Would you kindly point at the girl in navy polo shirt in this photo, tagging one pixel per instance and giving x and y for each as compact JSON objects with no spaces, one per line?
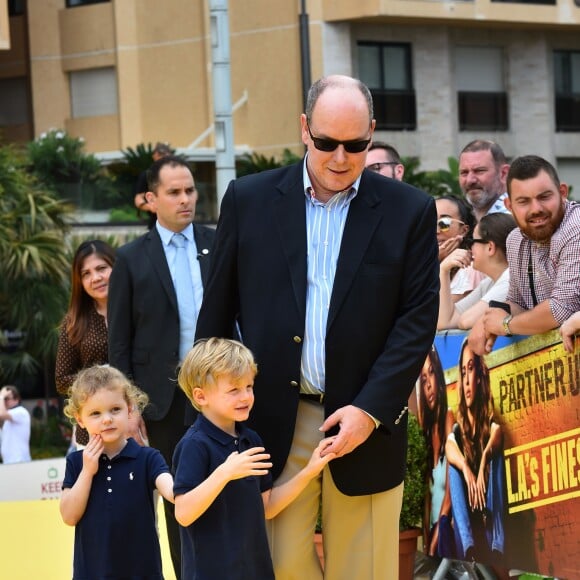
{"x":108,"y":486}
{"x":223,"y":487}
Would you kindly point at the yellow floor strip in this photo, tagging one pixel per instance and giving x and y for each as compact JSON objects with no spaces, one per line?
{"x":36,"y":544}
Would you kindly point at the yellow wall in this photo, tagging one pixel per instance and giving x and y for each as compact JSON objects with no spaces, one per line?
{"x":50,"y":91}
{"x":4,"y":29}
{"x":162,"y":55}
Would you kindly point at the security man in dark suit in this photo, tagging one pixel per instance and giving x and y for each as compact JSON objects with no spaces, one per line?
{"x":155,"y":292}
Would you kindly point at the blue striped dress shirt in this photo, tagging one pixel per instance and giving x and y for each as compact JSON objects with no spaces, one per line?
{"x":324,"y":227}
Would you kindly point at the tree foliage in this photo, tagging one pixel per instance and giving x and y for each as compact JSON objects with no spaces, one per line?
{"x":33,"y":268}
{"x":61,"y":164}
{"x":415,"y":478}
{"x":436,"y":183}
{"x":256,"y":162}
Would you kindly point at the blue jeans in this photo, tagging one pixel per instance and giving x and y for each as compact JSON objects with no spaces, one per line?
{"x":465,"y":520}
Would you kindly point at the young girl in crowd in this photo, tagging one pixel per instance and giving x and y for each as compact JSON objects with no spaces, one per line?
{"x":108,"y":486}
{"x":83,"y":335}
{"x":488,"y":256}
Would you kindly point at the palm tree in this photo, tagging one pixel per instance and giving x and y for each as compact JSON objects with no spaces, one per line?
{"x":33,"y":271}
{"x":254,"y":162}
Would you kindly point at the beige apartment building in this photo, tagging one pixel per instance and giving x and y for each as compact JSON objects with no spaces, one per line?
{"x":123,"y":72}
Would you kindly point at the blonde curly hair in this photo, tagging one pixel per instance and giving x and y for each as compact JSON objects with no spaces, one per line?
{"x":90,"y":380}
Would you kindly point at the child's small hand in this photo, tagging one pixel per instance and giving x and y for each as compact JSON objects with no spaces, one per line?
{"x":250,"y":462}
{"x":92,"y":453}
{"x":317,"y":460}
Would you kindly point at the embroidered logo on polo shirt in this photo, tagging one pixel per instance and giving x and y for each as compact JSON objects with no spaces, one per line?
{"x":131,"y":476}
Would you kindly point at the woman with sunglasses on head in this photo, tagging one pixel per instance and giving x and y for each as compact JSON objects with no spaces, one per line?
{"x":83,"y":338}
{"x":455,"y":223}
{"x":488,"y":254}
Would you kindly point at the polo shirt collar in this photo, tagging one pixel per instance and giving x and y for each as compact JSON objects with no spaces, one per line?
{"x":131,"y":450}
{"x":206,"y":426}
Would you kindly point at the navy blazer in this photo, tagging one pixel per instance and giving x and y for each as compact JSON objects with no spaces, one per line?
{"x":381,"y":321}
{"x":143,"y":317}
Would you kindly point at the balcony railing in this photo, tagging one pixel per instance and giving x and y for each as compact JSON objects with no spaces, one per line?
{"x":394,"y":110}
{"x":482,"y":111}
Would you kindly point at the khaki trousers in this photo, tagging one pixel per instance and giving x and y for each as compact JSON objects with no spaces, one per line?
{"x":360,"y":533}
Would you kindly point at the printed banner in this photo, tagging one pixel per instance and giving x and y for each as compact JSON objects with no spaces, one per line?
{"x":503,"y":437}
{"x":38,"y":479}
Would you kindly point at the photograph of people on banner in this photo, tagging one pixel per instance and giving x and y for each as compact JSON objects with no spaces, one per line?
{"x":503,"y":439}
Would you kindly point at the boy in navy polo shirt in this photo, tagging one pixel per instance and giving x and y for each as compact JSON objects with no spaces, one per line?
{"x":108,"y":486}
{"x":223,"y":488}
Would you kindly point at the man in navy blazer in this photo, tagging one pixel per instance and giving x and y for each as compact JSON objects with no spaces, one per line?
{"x":332,"y":273}
{"x":143,"y":314}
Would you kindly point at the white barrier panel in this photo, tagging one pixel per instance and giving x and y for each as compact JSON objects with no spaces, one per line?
{"x":39,"y":479}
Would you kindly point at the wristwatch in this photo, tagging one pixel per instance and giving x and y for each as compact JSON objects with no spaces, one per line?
{"x":506,"y":325}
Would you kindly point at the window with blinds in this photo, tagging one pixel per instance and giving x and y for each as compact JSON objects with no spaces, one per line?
{"x":93,"y":92}
{"x":479,"y":78}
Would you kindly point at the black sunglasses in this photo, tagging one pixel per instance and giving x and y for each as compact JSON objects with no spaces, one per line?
{"x":325,"y":144}
{"x":470,"y":241}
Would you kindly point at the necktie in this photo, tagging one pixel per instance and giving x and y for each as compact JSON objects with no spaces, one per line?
{"x":184,"y":292}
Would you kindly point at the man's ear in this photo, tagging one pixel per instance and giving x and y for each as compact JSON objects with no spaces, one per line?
{"x":304,"y":130}
{"x":503,"y":171}
{"x":508,"y":203}
{"x":150,"y":197}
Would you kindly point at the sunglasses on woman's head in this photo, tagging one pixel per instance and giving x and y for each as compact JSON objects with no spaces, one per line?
{"x":444,"y":223}
{"x":328,"y":145}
